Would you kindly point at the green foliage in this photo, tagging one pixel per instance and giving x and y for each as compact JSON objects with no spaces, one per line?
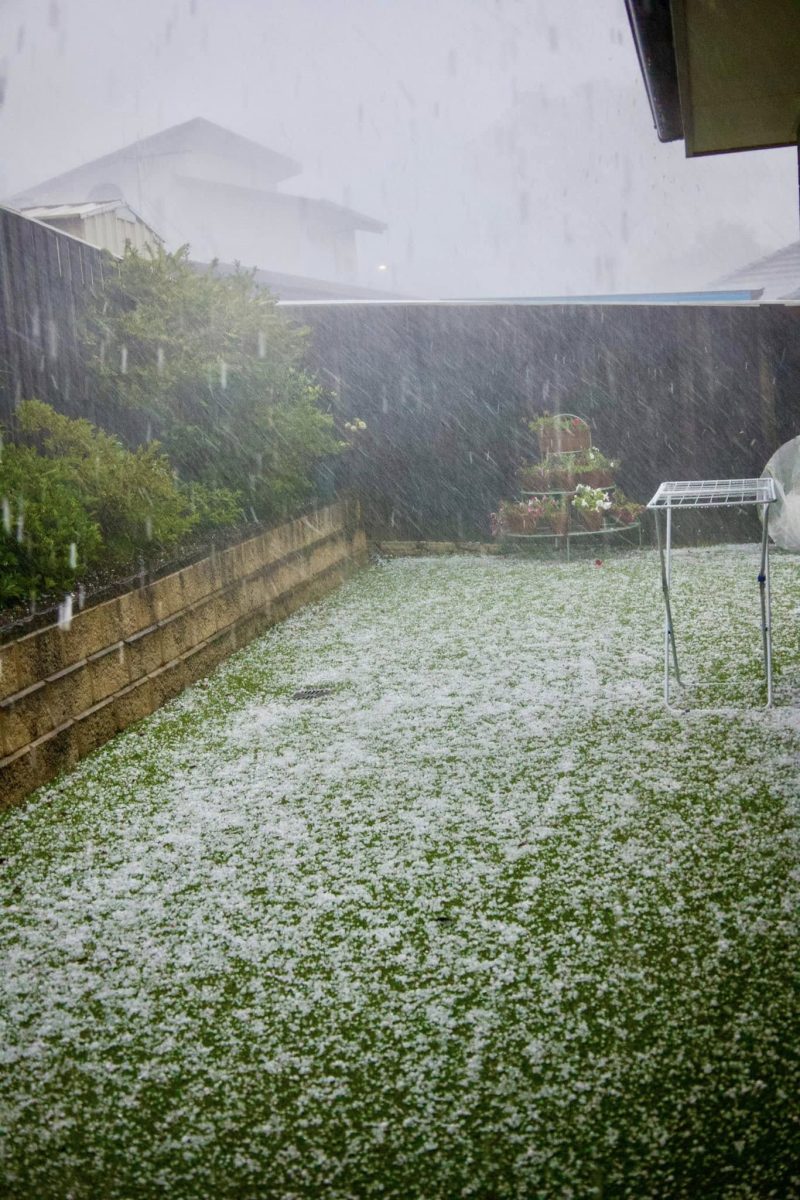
{"x":217,"y":370}
{"x":212,"y":508}
{"x":74,"y":498}
{"x":557,"y":422}
{"x":131,"y":495}
{"x":43,"y":517}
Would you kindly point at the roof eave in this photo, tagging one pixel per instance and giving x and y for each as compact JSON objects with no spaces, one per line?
{"x":651,"y":27}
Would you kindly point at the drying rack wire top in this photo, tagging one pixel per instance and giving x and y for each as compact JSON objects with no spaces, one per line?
{"x":713,"y":493}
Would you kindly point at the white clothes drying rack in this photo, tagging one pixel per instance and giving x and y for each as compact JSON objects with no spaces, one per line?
{"x":713,"y":493}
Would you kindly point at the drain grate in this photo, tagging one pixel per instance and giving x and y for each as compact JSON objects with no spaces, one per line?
{"x":318,"y":692}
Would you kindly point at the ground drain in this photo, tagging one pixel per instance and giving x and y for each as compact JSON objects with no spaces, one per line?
{"x":318,"y":692}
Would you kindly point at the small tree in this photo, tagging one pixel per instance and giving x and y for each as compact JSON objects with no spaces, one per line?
{"x":218,"y":372}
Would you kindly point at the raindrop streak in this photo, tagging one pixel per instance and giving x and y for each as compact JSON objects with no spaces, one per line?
{"x":262,"y":343}
{"x":160,"y":359}
{"x":223,"y":374}
{"x":148,"y":528}
{"x":81,"y":595}
{"x":65,"y":612}
{"x":20,"y":522}
{"x":73,"y":556}
{"x":123,"y":360}
{"x":6,"y":515}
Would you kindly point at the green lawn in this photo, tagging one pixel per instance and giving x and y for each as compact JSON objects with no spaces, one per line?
{"x":480,"y":917}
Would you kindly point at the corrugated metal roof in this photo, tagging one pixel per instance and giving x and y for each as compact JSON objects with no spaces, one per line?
{"x":55,"y":212}
{"x":778,"y":274}
{"x":108,"y":224}
{"x":84,"y":211}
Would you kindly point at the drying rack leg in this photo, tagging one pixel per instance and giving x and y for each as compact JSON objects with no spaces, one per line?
{"x":766,"y":605}
{"x":669,"y":631}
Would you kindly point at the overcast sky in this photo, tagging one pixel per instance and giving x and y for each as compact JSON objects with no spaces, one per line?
{"x":507,"y":143}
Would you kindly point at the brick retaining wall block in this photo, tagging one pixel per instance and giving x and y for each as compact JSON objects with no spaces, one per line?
{"x":63,"y":692}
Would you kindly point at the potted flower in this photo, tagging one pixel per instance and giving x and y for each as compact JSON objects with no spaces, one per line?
{"x":516,"y":516}
{"x":562,"y":472}
{"x":591,"y":504}
{"x":560,"y":433}
{"x":592,"y":468}
{"x":535,"y":478}
{"x":555,"y":513}
{"x":625,"y":510}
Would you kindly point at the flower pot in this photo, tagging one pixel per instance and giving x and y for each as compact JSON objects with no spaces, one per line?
{"x":600,"y":477}
{"x":593,"y":520}
{"x":563,"y":479}
{"x":535,"y":479}
{"x":564,"y":441}
{"x":514,"y":522}
{"x":625,"y":516}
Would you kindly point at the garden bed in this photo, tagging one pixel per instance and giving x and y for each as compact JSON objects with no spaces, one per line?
{"x":425,"y":894}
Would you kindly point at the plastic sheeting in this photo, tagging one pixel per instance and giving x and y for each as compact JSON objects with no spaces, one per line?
{"x":784,"y":517}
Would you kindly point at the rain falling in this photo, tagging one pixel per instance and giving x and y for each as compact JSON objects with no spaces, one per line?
{"x":399,"y":595}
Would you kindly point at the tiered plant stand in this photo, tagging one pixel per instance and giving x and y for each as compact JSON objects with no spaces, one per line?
{"x":564,"y":444}
{"x":611,"y":527}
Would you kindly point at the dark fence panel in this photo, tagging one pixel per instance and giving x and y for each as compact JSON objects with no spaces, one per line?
{"x":44,"y":280}
{"x":447,"y":391}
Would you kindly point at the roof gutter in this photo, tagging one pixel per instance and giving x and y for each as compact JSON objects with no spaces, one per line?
{"x":651,"y":26}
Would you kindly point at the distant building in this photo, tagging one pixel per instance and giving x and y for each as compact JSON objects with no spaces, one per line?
{"x":300,"y":288}
{"x":778,"y":274}
{"x":200,"y":184}
{"x":109,"y":225}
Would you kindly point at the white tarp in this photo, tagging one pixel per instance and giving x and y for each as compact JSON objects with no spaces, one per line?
{"x":784,"y":516}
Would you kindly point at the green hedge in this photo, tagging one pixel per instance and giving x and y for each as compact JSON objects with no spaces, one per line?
{"x":74,"y":498}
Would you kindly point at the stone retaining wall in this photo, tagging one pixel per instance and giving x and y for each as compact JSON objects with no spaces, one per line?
{"x":63,"y":692}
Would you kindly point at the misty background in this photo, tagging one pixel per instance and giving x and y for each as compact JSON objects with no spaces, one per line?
{"x":507,"y":145}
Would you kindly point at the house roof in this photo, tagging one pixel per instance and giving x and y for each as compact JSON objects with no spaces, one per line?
{"x":197,"y":135}
{"x":337,"y":214}
{"x":61,"y":212}
{"x":778,"y":274}
{"x":82,"y":210}
{"x":299,"y":288}
{"x":723,"y":76}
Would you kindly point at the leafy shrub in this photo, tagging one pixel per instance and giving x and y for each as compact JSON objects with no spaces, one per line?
{"x":131,"y":495}
{"x":212,"y":508}
{"x":74,"y":498}
{"x":217,"y":371}
{"x":48,"y":536}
